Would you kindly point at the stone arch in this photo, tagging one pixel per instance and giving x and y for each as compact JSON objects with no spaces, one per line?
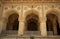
{"x":5,"y":17}
{"x":31,"y":11}
{"x":12,"y":23}
{"x":33,"y":15}
{"x":7,"y":13}
{"x":52,"y":21}
{"x":53,"y":11}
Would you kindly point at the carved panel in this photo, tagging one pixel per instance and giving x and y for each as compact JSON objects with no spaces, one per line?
{"x":32,"y":0}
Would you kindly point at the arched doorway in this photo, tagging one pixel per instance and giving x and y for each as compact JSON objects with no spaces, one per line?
{"x":32,"y":22}
{"x":12,"y":23}
{"x":52,"y":24}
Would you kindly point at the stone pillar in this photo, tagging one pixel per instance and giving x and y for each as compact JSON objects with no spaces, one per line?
{"x":43,"y":27}
{"x":2,"y":24}
{"x":21,"y":28}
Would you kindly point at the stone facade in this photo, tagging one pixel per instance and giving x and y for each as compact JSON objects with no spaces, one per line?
{"x":24,"y":9}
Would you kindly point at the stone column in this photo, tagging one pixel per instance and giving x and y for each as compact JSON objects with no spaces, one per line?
{"x":21,"y":28}
{"x":2,"y":24}
{"x":43,"y":27}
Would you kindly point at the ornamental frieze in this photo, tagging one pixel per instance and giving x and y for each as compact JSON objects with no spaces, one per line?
{"x":31,"y":0}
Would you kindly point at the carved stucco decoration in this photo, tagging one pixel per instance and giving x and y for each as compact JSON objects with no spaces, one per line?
{"x":31,"y":0}
{"x":13,"y":6}
{"x":18,"y":8}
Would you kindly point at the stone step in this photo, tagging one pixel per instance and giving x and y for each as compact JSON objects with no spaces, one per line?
{"x":10,"y":32}
{"x":28,"y":37}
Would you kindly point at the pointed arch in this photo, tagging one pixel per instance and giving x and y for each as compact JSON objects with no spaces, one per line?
{"x":31,"y":11}
{"x":7,"y":13}
{"x":52,"y":22}
{"x":13,"y":23}
{"x":8,"y":16}
{"x":32,"y":20}
{"x":53,"y":11}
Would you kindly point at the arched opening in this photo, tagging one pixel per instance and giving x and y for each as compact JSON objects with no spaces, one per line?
{"x":52,"y":24}
{"x":32,"y":22}
{"x":12,"y":23}
{"x":32,"y":25}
